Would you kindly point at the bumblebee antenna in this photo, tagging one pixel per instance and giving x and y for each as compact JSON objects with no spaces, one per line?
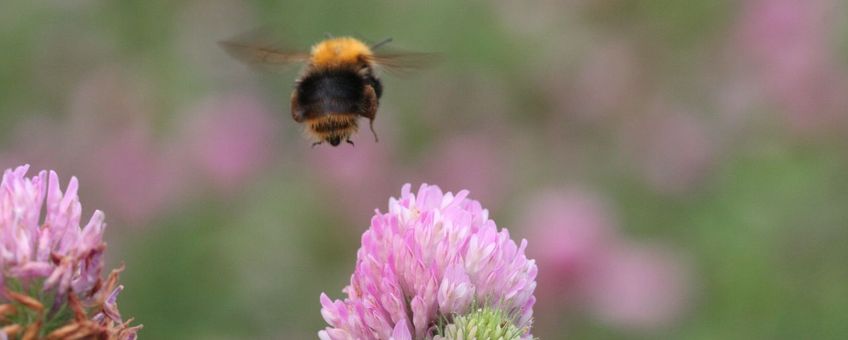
{"x":328,"y":35}
{"x":371,"y":125}
{"x":377,"y":45}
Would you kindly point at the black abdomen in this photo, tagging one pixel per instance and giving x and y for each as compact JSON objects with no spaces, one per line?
{"x":332,"y":91}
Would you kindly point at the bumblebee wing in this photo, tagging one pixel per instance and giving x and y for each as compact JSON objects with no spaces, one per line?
{"x":256,"y":49}
{"x":402,"y":62}
{"x":253,"y":54}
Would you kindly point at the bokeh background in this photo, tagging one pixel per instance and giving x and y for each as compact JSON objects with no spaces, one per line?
{"x":678,"y":167}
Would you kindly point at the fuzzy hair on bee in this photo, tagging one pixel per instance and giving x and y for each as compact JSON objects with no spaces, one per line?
{"x":337,"y":86}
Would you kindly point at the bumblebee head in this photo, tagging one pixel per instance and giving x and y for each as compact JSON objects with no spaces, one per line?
{"x":334,"y":140}
{"x":339,"y":52}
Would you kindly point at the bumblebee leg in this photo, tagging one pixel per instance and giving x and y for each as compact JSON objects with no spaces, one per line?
{"x":350,"y":142}
{"x":317,"y":143}
{"x":371,"y":125}
{"x":369,"y":109}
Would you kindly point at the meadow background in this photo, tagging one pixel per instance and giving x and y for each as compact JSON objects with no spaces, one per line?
{"x":678,"y":167}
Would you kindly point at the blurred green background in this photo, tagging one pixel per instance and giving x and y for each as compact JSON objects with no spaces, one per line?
{"x":678,"y":167}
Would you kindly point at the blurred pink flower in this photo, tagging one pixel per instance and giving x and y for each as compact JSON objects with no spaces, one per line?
{"x":229,"y":138}
{"x":360,"y":176}
{"x":587,"y":265}
{"x":134,"y":177}
{"x":111,"y":153}
{"x":570,"y":231}
{"x":673,"y":150}
{"x":431,"y":256}
{"x":110,"y":138}
{"x":789,"y":46}
{"x":607,"y":83}
{"x":108,"y":96}
{"x":640,"y":287}
{"x":34,"y":141}
{"x":473,"y":161}
{"x":57,"y":256}
{"x":736,"y":100}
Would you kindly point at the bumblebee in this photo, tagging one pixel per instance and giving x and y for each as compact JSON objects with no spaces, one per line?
{"x":338,"y":84}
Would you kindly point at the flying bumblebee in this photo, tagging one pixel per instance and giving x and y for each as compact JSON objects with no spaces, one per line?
{"x":337,"y":86}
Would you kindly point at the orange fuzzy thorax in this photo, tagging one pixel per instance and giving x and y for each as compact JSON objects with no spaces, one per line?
{"x":335,"y":52}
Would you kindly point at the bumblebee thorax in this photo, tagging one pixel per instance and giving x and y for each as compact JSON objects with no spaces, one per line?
{"x":340,"y":52}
